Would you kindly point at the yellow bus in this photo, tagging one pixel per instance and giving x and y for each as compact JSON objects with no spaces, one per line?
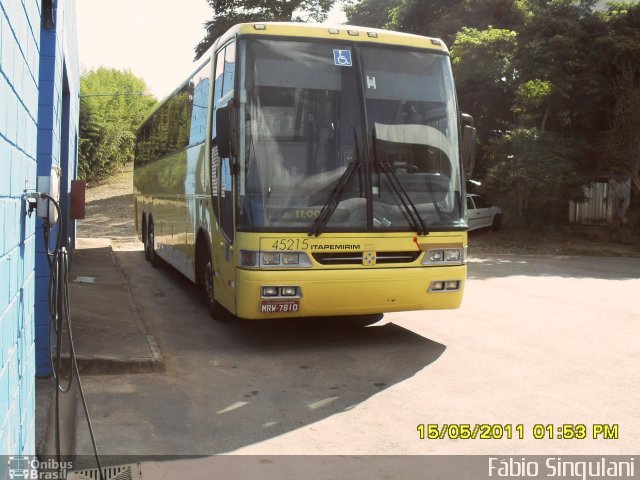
{"x":306,"y":170}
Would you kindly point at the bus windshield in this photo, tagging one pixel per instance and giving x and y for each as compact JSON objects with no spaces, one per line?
{"x":364,"y":136}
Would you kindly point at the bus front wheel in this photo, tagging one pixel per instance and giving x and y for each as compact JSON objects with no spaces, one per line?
{"x":207,"y":274}
{"x":150,"y":247}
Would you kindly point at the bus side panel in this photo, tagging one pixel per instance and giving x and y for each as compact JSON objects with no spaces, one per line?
{"x":170,"y":148}
{"x":165,"y":204}
{"x":139,"y":202}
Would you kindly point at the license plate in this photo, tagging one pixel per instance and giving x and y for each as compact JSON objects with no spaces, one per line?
{"x":279,"y":306}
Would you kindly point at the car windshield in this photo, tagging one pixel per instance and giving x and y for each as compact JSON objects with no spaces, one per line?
{"x":368,"y":133}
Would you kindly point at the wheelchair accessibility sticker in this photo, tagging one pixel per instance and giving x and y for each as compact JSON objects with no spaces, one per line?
{"x":342,"y":58}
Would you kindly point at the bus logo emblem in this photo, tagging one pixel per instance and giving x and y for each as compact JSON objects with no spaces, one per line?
{"x":20,"y":467}
{"x":342,"y":58}
{"x":368,"y":258}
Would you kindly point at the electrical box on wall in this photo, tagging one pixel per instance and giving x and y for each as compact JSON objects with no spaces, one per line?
{"x":78,"y":188}
{"x":50,"y":185}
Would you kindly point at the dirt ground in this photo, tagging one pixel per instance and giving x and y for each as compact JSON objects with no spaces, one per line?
{"x":109,"y":209}
{"x":109,"y":213}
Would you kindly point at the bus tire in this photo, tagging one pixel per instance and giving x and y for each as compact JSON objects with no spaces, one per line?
{"x":156,"y":261}
{"x":145,"y":242}
{"x":206,"y":277}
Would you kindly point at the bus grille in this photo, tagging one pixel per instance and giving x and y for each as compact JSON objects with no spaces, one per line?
{"x":353,"y":258}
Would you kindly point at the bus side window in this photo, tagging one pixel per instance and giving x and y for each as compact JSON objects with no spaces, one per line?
{"x":215,"y":159}
{"x":225,"y":65}
{"x":200,"y":96}
{"x":229,"y":66}
{"x":217,"y":86}
{"x":142,"y":152}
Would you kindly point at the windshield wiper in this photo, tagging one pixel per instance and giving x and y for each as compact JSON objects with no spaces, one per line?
{"x":396,"y":186}
{"x":334,"y":199}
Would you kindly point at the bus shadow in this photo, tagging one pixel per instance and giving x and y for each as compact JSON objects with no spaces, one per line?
{"x":232,"y":384}
{"x":300,"y":371}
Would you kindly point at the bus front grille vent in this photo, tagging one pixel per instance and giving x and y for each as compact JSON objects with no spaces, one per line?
{"x":126,"y":472}
{"x":355,"y":258}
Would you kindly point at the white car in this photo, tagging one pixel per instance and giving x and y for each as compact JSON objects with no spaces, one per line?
{"x":482,"y":214}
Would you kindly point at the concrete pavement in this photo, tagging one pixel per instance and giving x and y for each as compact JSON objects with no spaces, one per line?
{"x":109,"y":335}
{"x":539,"y":339}
{"x":109,"y":338}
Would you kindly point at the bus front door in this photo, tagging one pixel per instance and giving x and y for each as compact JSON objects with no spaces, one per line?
{"x":225,"y":261}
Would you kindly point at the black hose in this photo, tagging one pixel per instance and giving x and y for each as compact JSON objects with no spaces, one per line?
{"x":60,"y":316}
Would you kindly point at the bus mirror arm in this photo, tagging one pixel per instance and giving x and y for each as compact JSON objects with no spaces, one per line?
{"x":233,"y":128}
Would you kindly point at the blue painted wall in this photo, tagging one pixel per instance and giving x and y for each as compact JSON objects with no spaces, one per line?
{"x":31,"y":106}
{"x":58,"y":113}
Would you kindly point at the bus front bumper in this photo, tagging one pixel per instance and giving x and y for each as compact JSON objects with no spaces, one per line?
{"x":348,"y":291}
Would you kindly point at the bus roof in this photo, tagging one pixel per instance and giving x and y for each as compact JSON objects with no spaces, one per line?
{"x":332,"y":32}
{"x":312,"y":30}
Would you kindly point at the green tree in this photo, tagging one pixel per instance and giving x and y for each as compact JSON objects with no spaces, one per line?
{"x":436,"y":18}
{"x":561,"y":68}
{"x":622,"y":47}
{"x":430,"y":18}
{"x":227,"y":13}
{"x":519,"y":86}
{"x":534,"y":72}
{"x":370,"y":13}
{"x":532,"y":101}
{"x":623,"y":139}
{"x":112,"y":105}
{"x":531,"y":170}
{"x":485,"y":73}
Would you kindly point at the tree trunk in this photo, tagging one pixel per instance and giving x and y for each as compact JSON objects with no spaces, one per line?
{"x":287,"y":9}
{"x":543,"y":124}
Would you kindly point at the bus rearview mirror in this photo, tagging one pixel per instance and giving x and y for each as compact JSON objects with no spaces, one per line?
{"x":468,"y":150}
{"x":226,"y":130}
{"x":468,"y":145}
{"x":222,"y":131}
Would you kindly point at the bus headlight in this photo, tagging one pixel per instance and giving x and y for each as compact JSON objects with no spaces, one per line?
{"x":248,"y":258}
{"x":444,"y":286}
{"x":444,"y":256}
{"x":270,"y":258}
{"x":451,"y":285}
{"x":280,"y":292}
{"x":269,"y":291}
{"x":290,"y":258}
{"x":452,"y":255}
{"x":260,"y":259}
{"x":435,"y":256}
{"x":288,"y":291}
